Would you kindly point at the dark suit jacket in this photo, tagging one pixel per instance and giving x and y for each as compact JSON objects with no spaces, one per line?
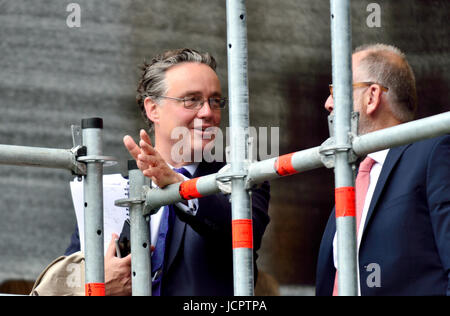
{"x":199,"y":257}
{"x":407,"y":231}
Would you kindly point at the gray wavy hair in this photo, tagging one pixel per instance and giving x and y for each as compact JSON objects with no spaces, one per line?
{"x":153,"y":79}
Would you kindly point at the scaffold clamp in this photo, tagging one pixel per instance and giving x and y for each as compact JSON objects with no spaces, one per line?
{"x":329,"y":148}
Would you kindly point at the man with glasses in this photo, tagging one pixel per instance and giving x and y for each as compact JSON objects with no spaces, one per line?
{"x":191,"y":242}
{"x":402,"y":193}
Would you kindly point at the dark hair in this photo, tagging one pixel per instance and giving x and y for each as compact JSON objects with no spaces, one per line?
{"x":153,"y":79}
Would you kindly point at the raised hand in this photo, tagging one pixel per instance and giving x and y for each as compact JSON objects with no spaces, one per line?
{"x":150,"y":162}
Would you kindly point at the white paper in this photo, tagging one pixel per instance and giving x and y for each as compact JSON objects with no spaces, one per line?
{"x":115,"y":187}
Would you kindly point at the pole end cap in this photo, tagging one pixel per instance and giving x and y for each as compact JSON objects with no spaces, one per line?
{"x":94,"y":122}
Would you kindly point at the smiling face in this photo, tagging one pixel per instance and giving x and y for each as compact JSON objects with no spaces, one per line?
{"x":187,"y":79}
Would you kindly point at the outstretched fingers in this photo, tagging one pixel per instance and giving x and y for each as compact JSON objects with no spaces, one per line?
{"x":144,"y":136}
{"x":147,"y":148}
{"x":131,"y":146}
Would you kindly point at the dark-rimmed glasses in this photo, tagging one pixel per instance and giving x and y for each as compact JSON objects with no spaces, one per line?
{"x":361,"y":84}
{"x":196,"y":102}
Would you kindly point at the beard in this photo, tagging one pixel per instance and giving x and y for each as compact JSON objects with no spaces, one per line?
{"x":365,"y":124}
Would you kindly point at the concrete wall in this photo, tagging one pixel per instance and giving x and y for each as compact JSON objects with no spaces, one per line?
{"x":52,"y":76}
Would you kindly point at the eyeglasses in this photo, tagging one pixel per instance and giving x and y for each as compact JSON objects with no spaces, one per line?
{"x":196,"y":102}
{"x":361,"y":84}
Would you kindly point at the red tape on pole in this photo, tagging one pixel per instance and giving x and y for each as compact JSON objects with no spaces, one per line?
{"x":242,"y":233}
{"x":283,"y":165}
{"x":95,"y":289}
{"x":188,"y":189}
{"x":345,"y":201}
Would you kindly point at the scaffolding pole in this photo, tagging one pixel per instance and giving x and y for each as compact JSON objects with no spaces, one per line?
{"x":93,"y":208}
{"x":84,"y":161}
{"x":139,"y":235}
{"x":42,"y":157}
{"x":321,"y":156}
{"x":242,"y":228}
{"x":341,"y":48}
{"x":402,"y":134}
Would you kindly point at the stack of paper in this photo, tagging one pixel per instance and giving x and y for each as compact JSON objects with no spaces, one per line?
{"x":115,"y":187}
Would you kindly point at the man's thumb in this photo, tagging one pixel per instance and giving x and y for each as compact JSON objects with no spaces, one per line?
{"x":111,"y":251}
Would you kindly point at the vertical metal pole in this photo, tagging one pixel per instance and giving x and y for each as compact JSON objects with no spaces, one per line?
{"x":344,"y":181}
{"x":139,"y":236}
{"x":239,"y":120}
{"x":93,"y":208}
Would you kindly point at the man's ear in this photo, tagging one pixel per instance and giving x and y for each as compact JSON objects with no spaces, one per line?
{"x":372,"y":98}
{"x":151,"y":109}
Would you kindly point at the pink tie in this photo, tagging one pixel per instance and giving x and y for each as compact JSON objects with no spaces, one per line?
{"x":361,"y":186}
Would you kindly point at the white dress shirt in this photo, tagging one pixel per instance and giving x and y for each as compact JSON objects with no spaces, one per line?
{"x":379,"y":157}
{"x":191,"y":208}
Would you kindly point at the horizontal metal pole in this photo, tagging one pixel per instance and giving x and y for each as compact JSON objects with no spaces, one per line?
{"x":310,"y":159}
{"x":258,"y":172}
{"x":301,"y":161}
{"x":156,"y":198}
{"x":39,"y":157}
{"x":402,"y":134}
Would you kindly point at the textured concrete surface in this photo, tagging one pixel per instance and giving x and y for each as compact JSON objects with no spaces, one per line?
{"x":52,"y":76}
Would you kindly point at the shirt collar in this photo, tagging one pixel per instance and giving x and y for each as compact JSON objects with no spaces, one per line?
{"x":379,"y":156}
{"x":191,"y":167}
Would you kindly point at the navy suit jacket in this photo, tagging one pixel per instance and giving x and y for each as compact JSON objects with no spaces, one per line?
{"x":407,"y":230}
{"x":199,"y":256}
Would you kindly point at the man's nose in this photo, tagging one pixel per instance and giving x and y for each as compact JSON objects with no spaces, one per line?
{"x":205,"y":110}
{"x":329,"y":104}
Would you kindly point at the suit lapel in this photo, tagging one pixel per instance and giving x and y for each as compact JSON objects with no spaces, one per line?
{"x":178,"y":230}
{"x":391,"y":160}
